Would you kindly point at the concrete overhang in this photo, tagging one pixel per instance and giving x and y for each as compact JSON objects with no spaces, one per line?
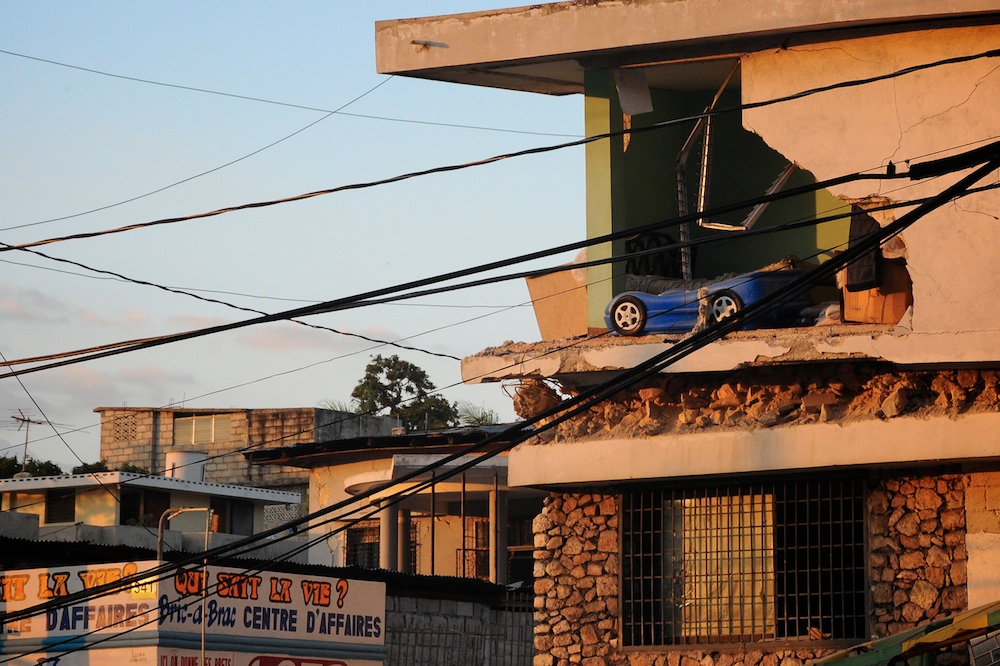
{"x":480,"y":478}
{"x":342,"y":451}
{"x":546,"y":48}
{"x":965,"y":442}
{"x":589,"y":361}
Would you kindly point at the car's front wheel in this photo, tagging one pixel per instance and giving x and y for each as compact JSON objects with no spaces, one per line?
{"x":628,"y":316}
{"x":724,"y":304}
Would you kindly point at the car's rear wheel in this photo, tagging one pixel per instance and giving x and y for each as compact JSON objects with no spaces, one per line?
{"x":724,"y":304}
{"x":628,"y":316}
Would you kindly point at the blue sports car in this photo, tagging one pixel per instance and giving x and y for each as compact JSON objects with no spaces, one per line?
{"x":675,"y":310}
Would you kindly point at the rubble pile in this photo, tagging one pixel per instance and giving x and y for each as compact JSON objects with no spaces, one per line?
{"x":799,"y":395}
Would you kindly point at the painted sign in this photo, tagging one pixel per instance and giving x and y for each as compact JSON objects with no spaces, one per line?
{"x":129,"y":608}
{"x":152,"y":656}
{"x":231,"y":601}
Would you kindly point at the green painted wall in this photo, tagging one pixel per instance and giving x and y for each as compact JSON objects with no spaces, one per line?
{"x":632,"y":183}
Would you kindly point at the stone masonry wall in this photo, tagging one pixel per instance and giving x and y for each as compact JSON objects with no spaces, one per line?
{"x":772,"y":396}
{"x":917,"y":572}
{"x":918,"y":556}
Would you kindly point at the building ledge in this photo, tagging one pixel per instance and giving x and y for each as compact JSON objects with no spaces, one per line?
{"x":816,"y":447}
{"x":546,"y":48}
{"x":584,"y":362}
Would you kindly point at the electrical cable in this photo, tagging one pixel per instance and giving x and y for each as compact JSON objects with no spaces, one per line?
{"x":59,"y":435}
{"x":580,"y":403}
{"x":203,"y":173}
{"x":901,"y":218}
{"x":521,"y":153}
{"x":366,"y":298}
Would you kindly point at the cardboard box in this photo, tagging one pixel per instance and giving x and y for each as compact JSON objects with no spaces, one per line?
{"x":882,"y":305}
{"x":560,"y":303}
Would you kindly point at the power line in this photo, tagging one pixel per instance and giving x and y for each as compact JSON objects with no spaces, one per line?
{"x":571,"y":407}
{"x":203,"y":173}
{"x":925,"y":169}
{"x":261,"y":297}
{"x":263,"y":100}
{"x":521,"y":153}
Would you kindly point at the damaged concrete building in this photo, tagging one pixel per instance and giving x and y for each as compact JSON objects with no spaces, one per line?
{"x":778,"y":494}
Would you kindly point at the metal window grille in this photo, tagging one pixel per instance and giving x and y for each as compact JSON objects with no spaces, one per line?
{"x":740,"y":563}
{"x":60,"y":505}
{"x":363,"y":545}
{"x":473,"y":560}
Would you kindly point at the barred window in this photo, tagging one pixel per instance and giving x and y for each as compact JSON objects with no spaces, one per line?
{"x":741,"y":563}
{"x":60,"y":505}
{"x":363,"y":545}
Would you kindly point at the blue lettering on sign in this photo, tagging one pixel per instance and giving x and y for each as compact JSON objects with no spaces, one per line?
{"x":265,"y":618}
{"x":95,"y":617}
{"x":344,"y":624}
{"x":220,"y":616}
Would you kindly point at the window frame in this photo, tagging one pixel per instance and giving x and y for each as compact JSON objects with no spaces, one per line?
{"x":218,"y":427}
{"x":60,"y":503}
{"x":644,"y":552}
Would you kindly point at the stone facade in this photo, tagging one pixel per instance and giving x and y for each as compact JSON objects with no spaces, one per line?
{"x":576,"y":581}
{"x":917,"y":572}
{"x":918,"y":555}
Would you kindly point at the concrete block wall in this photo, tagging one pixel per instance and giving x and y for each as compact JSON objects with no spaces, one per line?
{"x":142,"y":437}
{"x":428,"y":632}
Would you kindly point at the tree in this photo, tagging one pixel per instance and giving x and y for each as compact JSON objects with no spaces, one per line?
{"x":400,"y":389}
{"x":134,"y":469}
{"x":471,"y":414}
{"x":91,"y":468}
{"x":9,"y":466}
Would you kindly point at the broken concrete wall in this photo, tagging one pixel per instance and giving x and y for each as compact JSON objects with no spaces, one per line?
{"x":903,"y":119}
{"x":784,"y":395}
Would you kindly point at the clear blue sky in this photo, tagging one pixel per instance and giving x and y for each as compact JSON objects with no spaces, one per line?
{"x":74,"y":141}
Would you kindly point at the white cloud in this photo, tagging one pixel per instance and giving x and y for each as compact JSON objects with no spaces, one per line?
{"x":30,"y":305}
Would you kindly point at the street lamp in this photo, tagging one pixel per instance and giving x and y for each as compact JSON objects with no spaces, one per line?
{"x":164,"y":519}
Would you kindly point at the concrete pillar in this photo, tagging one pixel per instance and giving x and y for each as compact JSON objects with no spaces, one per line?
{"x":498,"y":536}
{"x":403,"y":545}
{"x":388,"y":537}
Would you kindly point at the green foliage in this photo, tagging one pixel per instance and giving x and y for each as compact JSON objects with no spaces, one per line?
{"x":9,"y":466}
{"x":471,"y":414}
{"x":398,"y":388}
{"x":347,"y":406}
{"x":102,"y":466}
{"x":91,"y":468}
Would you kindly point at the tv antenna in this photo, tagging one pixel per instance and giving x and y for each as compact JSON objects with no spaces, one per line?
{"x":25,"y":421}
